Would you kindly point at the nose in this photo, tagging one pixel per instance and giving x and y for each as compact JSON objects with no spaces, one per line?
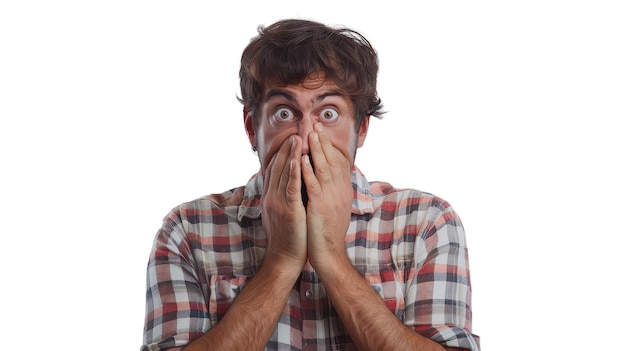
{"x":304,"y":128}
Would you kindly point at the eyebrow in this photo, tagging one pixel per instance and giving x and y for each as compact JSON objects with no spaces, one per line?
{"x":288,"y":96}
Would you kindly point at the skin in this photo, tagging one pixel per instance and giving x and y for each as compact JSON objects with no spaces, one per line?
{"x":293,"y":121}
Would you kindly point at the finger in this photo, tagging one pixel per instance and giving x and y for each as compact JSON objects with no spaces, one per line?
{"x":337,"y":166}
{"x":322,"y":168}
{"x":278,"y":169}
{"x":294,"y":183}
{"x":285,"y":173}
{"x":308,"y":174}
{"x":335,"y":159}
{"x":291,"y":179}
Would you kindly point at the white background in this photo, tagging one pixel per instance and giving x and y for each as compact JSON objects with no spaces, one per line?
{"x":114,"y":112}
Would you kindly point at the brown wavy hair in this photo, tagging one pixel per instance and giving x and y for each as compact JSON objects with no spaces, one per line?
{"x":289,"y":51}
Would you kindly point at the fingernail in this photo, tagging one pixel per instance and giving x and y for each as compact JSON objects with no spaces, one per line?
{"x":316,"y":137}
{"x":306,"y":160}
{"x":319,"y":127}
{"x":293,"y":142}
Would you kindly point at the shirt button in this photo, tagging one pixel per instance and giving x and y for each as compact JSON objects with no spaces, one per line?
{"x":308,"y":294}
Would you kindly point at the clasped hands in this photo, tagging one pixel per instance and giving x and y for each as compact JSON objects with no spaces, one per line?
{"x":317,"y":232}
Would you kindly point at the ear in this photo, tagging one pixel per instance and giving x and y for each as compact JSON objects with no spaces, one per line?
{"x":248,"y":122}
{"x":362,"y":132}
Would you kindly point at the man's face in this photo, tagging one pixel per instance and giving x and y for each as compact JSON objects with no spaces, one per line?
{"x":294,"y":109}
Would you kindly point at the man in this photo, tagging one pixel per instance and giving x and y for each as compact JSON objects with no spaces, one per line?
{"x":309,"y":255}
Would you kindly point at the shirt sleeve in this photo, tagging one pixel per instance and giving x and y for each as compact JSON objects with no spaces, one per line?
{"x":438,"y":301}
{"x":176,"y":311}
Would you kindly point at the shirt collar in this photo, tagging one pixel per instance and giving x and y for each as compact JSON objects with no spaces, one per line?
{"x":251,"y":204}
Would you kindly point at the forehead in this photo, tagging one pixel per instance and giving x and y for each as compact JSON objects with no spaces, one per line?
{"x":311,"y":86}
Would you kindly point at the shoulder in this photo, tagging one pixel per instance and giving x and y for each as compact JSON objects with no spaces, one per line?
{"x":407,"y":204}
{"x":385,"y":193}
{"x":207,"y":208}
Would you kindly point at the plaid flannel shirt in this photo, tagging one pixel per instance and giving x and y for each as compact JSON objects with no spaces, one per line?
{"x":409,"y":245}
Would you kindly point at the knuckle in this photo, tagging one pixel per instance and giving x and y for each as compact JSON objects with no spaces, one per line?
{"x":292,"y":192}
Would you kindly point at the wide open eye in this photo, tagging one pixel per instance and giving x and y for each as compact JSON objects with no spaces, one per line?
{"x":284,"y":114}
{"x":329,"y":115}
